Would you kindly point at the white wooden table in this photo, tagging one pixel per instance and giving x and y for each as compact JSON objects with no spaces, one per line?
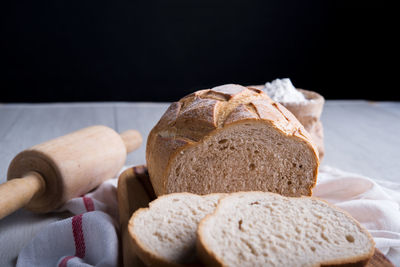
{"x":360,"y":136}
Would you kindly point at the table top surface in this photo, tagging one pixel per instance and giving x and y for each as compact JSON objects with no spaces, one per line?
{"x":360,"y":137}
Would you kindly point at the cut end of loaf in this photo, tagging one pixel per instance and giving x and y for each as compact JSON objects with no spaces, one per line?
{"x":257,"y":229}
{"x":245,"y":156}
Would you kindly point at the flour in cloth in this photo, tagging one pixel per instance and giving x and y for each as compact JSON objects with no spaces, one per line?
{"x":283,"y":91}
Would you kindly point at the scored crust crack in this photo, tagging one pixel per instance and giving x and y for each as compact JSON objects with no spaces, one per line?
{"x":230,"y":138}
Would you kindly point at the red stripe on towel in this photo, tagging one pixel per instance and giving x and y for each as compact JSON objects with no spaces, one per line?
{"x":64,"y":261}
{"x":79,"y":239}
{"x":89,"y":205}
{"x":78,"y":236}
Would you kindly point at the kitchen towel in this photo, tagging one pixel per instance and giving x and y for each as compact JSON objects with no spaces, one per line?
{"x":90,"y":237}
{"x":374,"y":203}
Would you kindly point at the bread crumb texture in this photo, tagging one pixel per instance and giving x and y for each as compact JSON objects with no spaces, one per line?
{"x":230,"y":138}
{"x":263,"y":229}
{"x":166,"y":231}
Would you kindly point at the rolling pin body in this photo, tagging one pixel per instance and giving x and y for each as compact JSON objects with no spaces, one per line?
{"x":69,"y":166}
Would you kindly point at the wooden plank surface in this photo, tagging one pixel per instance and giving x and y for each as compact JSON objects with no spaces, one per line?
{"x":33,"y":124}
{"x":360,"y":136}
{"x":140,"y":116}
{"x":22,"y":126}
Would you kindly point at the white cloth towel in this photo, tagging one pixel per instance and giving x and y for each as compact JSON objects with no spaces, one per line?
{"x":90,"y":237}
{"x":375,"y":204}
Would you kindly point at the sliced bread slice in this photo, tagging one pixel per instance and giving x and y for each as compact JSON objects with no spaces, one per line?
{"x":266,"y":229}
{"x":165,"y":233}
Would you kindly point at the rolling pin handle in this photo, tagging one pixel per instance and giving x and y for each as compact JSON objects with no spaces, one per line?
{"x":17,"y":193}
{"x":132,"y":140}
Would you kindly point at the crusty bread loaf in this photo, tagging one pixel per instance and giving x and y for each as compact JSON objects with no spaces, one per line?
{"x":266,"y":229}
{"x":165,"y":233}
{"x":230,"y":138}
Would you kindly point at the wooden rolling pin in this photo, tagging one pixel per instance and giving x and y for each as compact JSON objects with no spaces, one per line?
{"x":45,"y":176}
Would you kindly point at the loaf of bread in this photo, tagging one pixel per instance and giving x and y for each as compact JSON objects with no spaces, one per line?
{"x":265,"y":229}
{"x":230,"y":138}
{"x":165,"y":233}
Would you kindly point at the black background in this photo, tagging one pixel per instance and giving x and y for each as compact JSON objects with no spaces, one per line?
{"x":161,"y":50}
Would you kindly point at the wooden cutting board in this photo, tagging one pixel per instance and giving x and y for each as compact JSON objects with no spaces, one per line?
{"x":135,"y":191}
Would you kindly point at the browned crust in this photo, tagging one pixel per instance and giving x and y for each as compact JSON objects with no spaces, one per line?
{"x":162,"y":149}
{"x":209,"y":257}
{"x":185,"y":124}
{"x":241,"y":112}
